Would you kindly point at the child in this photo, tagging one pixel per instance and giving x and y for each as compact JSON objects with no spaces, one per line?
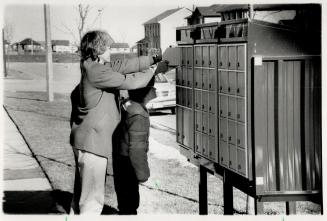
{"x":130,"y":162}
{"x":95,"y":115}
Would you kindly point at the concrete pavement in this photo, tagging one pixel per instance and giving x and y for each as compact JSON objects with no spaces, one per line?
{"x":26,"y":188}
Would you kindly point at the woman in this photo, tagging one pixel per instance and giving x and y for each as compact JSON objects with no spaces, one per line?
{"x":95,"y":115}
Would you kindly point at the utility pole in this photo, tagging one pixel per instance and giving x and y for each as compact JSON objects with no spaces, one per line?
{"x":49,"y":66}
{"x":4,"y":54}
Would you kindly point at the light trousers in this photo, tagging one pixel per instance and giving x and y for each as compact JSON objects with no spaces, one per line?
{"x":89,"y":188}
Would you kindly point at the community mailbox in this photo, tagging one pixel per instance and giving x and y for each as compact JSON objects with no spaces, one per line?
{"x":249,"y":105}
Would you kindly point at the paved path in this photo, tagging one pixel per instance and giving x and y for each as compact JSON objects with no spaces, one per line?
{"x":26,"y":189}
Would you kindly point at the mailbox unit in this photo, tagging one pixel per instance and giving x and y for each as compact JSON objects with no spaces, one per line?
{"x":249,"y":107}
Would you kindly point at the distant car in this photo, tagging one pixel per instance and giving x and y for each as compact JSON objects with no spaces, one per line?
{"x":166,"y":95}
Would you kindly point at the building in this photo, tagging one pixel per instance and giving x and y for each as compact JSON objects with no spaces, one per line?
{"x":60,"y":46}
{"x":119,"y":48}
{"x":160,"y":30}
{"x":203,"y":15}
{"x":27,"y":45}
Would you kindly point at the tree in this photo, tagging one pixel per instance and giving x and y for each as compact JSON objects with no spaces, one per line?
{"x":8,"y":31}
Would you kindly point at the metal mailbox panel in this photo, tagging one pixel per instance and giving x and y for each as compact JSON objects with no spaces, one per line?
{"x":232,"y":111}
{"x":241,"y":135}
{"x":205,"y":79}
{"x":212,"y":79}
{"x":205,"y":99}
{"x":198,"y":142}
{"x":179,"y":121}
{"x":212,"y":102}
{"x":241,"y":161}
{"x":189,"y":98}
{"x":178,"y":95}
{"x":184,"y":79}
{"x":223,"y":81}
{"x":240,"y":57}
{"x":212,"y":147}
{"x":184,"y":55}
{"x":222,"y":57}
{"x":205,"y":56}
{"x":232,"y":85}
{"x":198,"y":102}
{"x":240,"y":91}
{"x":205,"y":143}
{"x":205,"y":123}
{"x":212,"y":125}
{"x":223,"y":154}
{"x":198,"y":78}
{"x":179,"y":75}
{"x":189,"y":77}
{"x":187,"y":124}
{"x":213,"y":56}
{"x":232,"y":157}
{"x":232,"y":127}
{"x":183,"y":97}
{"x":189,"y":61}
{"x":198,"y":121}
{"x":223,"y":129}
{"x":223,"y":105}
{"x":240,"y":116}
{"x":197,"y":56}
{"x":232,"y":57}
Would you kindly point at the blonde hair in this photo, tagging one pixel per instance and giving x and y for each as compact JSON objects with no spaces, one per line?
{"x":94,"y":43}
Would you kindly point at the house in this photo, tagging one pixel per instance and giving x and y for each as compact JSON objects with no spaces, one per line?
{"x":134,"y":49}
{"x":117,"y":47}
{"x":27,"y":45}
{"x":203,"y":15}
{"x":160,"y":30}
{"x":60,"y":46}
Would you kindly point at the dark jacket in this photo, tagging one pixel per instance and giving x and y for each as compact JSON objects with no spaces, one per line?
{"x":95,"y":114}
{"x":134,"y":142}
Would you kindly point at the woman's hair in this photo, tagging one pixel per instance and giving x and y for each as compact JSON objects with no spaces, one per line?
{"x":94,"y":43}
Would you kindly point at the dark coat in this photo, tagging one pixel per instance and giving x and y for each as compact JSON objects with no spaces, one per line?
{"x":95,"y":113}
{"x":134,"y":139}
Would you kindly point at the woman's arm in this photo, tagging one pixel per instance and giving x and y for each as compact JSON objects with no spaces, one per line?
{"x":131,"y":65}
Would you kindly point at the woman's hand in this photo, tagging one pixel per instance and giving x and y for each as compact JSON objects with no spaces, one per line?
{"x":162,"y":67}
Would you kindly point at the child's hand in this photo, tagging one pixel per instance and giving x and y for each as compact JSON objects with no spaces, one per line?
{"x":162,"y":67}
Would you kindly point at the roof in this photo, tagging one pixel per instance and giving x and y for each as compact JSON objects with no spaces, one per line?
{"x":143,"y":40}
{"x":60,"y":42}
{"x":259,"y":7}
{"x":28,"y":41}
{"x":206,"y":11}
{"x":119,"y":45}
{"x":161,"y":16}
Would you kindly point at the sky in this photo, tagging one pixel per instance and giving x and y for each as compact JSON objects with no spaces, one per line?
{"x":122,"y":19}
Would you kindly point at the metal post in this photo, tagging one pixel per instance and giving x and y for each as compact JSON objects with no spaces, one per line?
{"x":4,"y":54}
{"x":49,"y":67}
{"x":290,"y":207}
{"x":203,"y":192}
{"x":228,"y":195}
{"x":258,"y":207}
{"x":251,"y":11}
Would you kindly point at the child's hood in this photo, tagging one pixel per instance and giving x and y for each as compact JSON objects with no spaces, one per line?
{"x":134,"y":108}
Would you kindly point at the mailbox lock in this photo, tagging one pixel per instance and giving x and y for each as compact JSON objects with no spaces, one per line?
{"x":239,"y":167}
{"x":221,"y":88}
{"x":188,"y":82}
{"x":196,"y":83}
{"x":238,"y":64}
{"x":188,"y":62}
{"x":209,"y":130}
{"x":202,"y":62}
{"x":238,"y":141}
{"x":230,"y":138}
{"x":204,"y":150}
{"x":228,"y":89}
{"x":202,"y":84}
{"x":238,"y":90}
{"x":209,"y":85}
{"x":197,"y":126}
{"x":238,"y":116}
{"x":228,"y":64}
{"x":221,"y":159}
{"x":196,"y":61}
{"x":229,"y":113}
{"x":230,"y":163}
{"x":220,"y":63}
{"x":221,"y":135}
{"x":209,"y":62}
{"x":210,"y":153}
{"x":196,"y":104}
{"x":197,"y":147}
{"x":221,"y":112}
{"x":210,"y":108}
{"x":183,"y":136}
{"x":202,"y":106}
{"x":203,"y":128}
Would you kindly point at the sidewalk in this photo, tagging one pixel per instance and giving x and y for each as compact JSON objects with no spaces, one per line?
{"x":26,"y":189}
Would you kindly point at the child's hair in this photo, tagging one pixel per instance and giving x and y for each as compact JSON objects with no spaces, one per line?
{"x":138,"y":95}
{"x":94,"y":43}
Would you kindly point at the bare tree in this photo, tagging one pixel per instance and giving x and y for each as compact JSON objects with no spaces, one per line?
{"x":83,"y":13}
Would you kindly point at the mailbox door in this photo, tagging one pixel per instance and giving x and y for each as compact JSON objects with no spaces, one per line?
{"x":198,"y":102}
{"x":184,"y":79}
{"x":241,"y":135}
{"x":205,"y":98}
{"x":232,"y":111}
{"x":232,"y":82}
{"x":198,"y":142}
{"x":222,"y":57}
{"x":212,"y":80}
{"x":241,"y":159}
{"x":198,"y":78}
{"x":223,"y":106}
{"x":223,"y":129}
{"x":232,"y":127}
{"x":212,"y":125}
{"x":189,"y":98}
{"x":240,"y":90}
{"x":223,"y":82}
{"x":205,"y":123}
{"x":198,"y":121}
{"x":232,"y":157}
{"x":205,"y":79}
{"x":197,"y":56}
{"x":213,"y":56}
{"x":232,"y":57}
{"x":205,"y":143}
{"x":184,"y":55}
{"x":240,"y":116}
{"x":179,"y":75}
{"x":240,"y":57}
{"x":189,"y":61}
{"x":186,"y":127}
{"x":205,"y":56}
{"x":212,"y":102}
{"x":223,"y":154}
{"x":212,"y":148}
{"x":189,"y":77}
